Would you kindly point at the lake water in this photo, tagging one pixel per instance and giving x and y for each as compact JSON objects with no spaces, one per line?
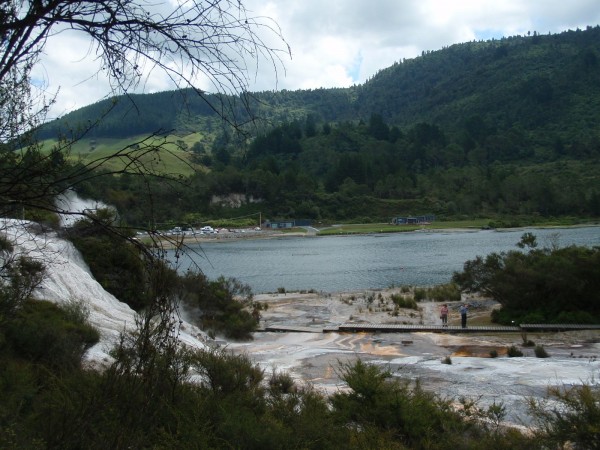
{"x":350,"y":263}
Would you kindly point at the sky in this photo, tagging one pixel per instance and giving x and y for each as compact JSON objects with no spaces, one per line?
{"x":334,"y":43}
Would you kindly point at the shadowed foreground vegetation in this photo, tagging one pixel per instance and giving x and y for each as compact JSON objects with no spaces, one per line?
{"x":234,"y":404}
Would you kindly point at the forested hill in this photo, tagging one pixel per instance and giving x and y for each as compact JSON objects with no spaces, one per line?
{"x":538,"y":82}
{"x":545,"y":82}
{"x":502,"y":129}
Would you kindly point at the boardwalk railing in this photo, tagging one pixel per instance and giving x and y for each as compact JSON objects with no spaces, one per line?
{"x":557,"y":327}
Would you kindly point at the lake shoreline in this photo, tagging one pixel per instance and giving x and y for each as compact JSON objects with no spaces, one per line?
{"x":366,"y":261}
{"x":187,"y":241}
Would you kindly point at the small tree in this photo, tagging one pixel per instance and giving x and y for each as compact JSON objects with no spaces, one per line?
{"x":20,"y":275}
{"x":544,"y":284}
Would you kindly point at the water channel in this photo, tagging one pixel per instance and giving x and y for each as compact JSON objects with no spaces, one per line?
{"x":374,"y":261}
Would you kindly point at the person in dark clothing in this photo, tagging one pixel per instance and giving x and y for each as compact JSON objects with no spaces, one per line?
{"x":463,"y":315}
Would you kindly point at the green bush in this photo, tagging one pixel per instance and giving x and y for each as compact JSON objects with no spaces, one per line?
{"x":223,"y":305}
{"x":281,"y":383}
{"x":444,"y":293}
{"x":116,"y":264}
{"x":540,"y":351}
{"x":420,"y":294}
{"x":533,"y":317}
{"x":77,"y":311}
{"x":44,"y":333}
{"x":396,"y":411}
{"x":225,"y":373}
{"x":20,"y":275}
{"x":514,"y":352}
{"x":402,"y":302}
{"x":576,"y":317}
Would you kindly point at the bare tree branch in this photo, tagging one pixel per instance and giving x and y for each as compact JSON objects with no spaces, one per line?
{"x":188,"y":40}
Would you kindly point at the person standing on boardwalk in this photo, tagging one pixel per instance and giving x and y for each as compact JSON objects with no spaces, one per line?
{"x":463,"y":315}
{"x":444,"y":315}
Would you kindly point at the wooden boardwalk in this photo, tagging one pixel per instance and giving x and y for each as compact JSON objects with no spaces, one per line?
{"x":291,"y":329}
{"x":403,"y":328}
{"x":397,"y":328}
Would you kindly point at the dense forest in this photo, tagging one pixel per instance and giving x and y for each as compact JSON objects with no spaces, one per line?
{"x":502,"y":129}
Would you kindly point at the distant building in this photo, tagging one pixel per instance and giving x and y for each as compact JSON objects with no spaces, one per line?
{"x":288,"y":223}
{"x":413,"y":220}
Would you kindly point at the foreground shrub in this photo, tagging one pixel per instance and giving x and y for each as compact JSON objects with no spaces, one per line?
{"x":573,"y":423}
{"x":44,"y":333}
{"x":19,"y":277}
{"x":281,"y":383}
{"x":377,"y":401}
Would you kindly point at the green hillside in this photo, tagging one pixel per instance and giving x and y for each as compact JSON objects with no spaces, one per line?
{"x":540,"y":82}
{"x":504,"y":128}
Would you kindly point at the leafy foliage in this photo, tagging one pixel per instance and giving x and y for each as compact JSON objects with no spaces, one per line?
{"x":118,"y":266}
{"x":514,"y":352}
{"x":221,"y":306}
{"x":20,"y":276}
{"x":401,"y":302}
{"x":540,"y":352}
{"x":44,"y":333}
{"x":386,"y":412}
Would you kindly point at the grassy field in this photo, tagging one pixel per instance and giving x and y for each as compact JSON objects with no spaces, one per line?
{"x":390,"y":228}
{"x":172,"y":160}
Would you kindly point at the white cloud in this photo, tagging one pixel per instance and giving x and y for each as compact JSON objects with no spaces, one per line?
{"x":336,"y":43}
{"x":69,"y":67}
